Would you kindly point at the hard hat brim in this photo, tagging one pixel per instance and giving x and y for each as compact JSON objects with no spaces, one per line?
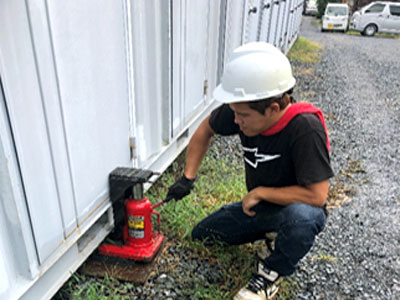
{"x":221,"y":95}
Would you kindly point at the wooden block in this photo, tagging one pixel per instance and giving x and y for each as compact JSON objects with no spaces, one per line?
{"x":122,"y":269}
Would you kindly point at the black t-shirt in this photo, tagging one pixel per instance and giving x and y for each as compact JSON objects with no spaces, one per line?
{"x":297,"y":155}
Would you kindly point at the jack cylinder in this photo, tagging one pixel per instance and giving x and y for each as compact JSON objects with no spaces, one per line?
{"x":138,"y":230}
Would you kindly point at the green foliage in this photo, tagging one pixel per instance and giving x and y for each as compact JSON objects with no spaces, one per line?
{"x":237,"y":263}
{"x":305,"y":51}
{"x":81,"y":287}
{"x":287,"y":289}
{"x":381,"y":35}
{"x":218,"y":182}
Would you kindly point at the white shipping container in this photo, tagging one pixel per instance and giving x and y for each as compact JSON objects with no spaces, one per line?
{"x":86,"y":86}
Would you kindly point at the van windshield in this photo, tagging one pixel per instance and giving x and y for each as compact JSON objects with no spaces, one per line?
{"x":336,"y":11}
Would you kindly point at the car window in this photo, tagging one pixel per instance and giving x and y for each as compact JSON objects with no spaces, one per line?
{"x":376,"y":8}
{"x":395,"y":10}
{"x":336,"y":11}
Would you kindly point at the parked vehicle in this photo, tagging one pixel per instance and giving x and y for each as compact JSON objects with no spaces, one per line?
{"x":311,"y":8}
{"x":383,"y":17}
{"x":336,"y":17}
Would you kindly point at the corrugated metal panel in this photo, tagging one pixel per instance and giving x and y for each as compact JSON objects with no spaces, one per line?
{"x":67,"y":110}
{"x":235,"y":20}
{"x":192,"y":67}
{"x":31,"y":135}
{"x":252,"y":20}
{"x":285,"y":33}
{"x":265,"y":28}
{"x":272,"y":21}
{"x":281,"y":22}
{"x":151,"y":66}
{"x":98,"y":84}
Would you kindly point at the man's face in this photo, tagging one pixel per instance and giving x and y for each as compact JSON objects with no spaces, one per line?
{"x":250,"y":121}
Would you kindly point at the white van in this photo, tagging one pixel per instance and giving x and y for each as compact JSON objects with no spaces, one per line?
{"x":377,"y":17}
{"x":336,"y":17}
{"x":311,"y":8}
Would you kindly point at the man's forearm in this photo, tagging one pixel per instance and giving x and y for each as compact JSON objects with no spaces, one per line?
{"x":197,"y":148}
{"x":313,"y":194}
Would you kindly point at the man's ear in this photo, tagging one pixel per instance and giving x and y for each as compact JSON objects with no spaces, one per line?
{"x":275,"y":107}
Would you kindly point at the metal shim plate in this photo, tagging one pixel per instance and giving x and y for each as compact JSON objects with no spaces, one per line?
{"x":121,"y":269}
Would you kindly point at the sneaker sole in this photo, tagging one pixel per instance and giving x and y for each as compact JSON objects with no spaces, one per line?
{"x":276,"y":284}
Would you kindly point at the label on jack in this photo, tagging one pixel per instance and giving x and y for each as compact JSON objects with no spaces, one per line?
{"x":136,"y":226}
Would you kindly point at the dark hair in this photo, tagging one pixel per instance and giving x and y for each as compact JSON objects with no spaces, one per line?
{"x":263,"y":104}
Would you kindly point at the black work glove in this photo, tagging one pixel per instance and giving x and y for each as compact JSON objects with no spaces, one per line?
{"x":180,"y":189}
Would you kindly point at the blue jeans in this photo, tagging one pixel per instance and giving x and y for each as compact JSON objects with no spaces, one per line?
{"x":296,"y":224}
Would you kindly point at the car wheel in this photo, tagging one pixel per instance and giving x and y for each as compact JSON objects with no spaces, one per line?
{"x":370,"y":30}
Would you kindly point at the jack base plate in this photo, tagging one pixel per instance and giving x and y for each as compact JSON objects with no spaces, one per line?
{"x":144,"y":254}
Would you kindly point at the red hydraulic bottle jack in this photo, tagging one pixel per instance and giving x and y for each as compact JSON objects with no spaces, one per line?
{"x":140,"y":242}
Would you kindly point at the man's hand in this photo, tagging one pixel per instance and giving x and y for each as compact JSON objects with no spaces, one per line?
{"x":249,"y":201}
{"x":181,"y":188}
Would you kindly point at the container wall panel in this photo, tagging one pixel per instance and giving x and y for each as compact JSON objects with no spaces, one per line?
{"x":30,"y":128}
{"x":150,"y":64}
{"x":67,"y":109}
{"x":265,"y":26}
{"x":192,"y":58}
{"x":195,"y":62}
{"x":235,"y":17}
{"x":285,"y":39}
{"x":281,"y":23}
{"x":91,"y":69}
{"x":252,"y":12}
{"x":274,"y":22}
{"x":291,"y":21}
{"x":92,"y":85}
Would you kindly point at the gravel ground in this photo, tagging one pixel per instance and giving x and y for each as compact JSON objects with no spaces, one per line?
{"x":356,"y":85}
{"x":357,"y":256}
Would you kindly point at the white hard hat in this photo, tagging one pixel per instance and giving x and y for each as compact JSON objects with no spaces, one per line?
{"x":255,"y":71}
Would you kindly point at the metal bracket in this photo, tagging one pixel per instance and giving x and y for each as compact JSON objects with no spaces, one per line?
{"x":205,"y":88}
{"x":132,"y":147}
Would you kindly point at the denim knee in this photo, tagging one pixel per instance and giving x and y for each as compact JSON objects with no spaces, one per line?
{"x":230,"y":225}
{"x":300,"y":224}
{"x":209,"y":235}
{"x":200,"y":233}
{"x":301,"y":213}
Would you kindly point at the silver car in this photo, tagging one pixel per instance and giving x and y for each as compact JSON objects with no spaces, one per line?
{"x":377,"y":17}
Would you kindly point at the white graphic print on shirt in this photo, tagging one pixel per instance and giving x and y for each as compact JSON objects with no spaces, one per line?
{"x":252,"y":157}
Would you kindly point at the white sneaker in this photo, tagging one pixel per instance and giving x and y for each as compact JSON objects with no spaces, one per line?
{"x":262,"y":286}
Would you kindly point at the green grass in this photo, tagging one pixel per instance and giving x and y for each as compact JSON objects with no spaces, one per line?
{"x":237,"y":263}
{"x":316,"y":22}
{"x":381,"y":35}
{"x":219,"y":182}
{"x":81,"y":287}
{"x":305,"y":51}
{"x":287,"y":290}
